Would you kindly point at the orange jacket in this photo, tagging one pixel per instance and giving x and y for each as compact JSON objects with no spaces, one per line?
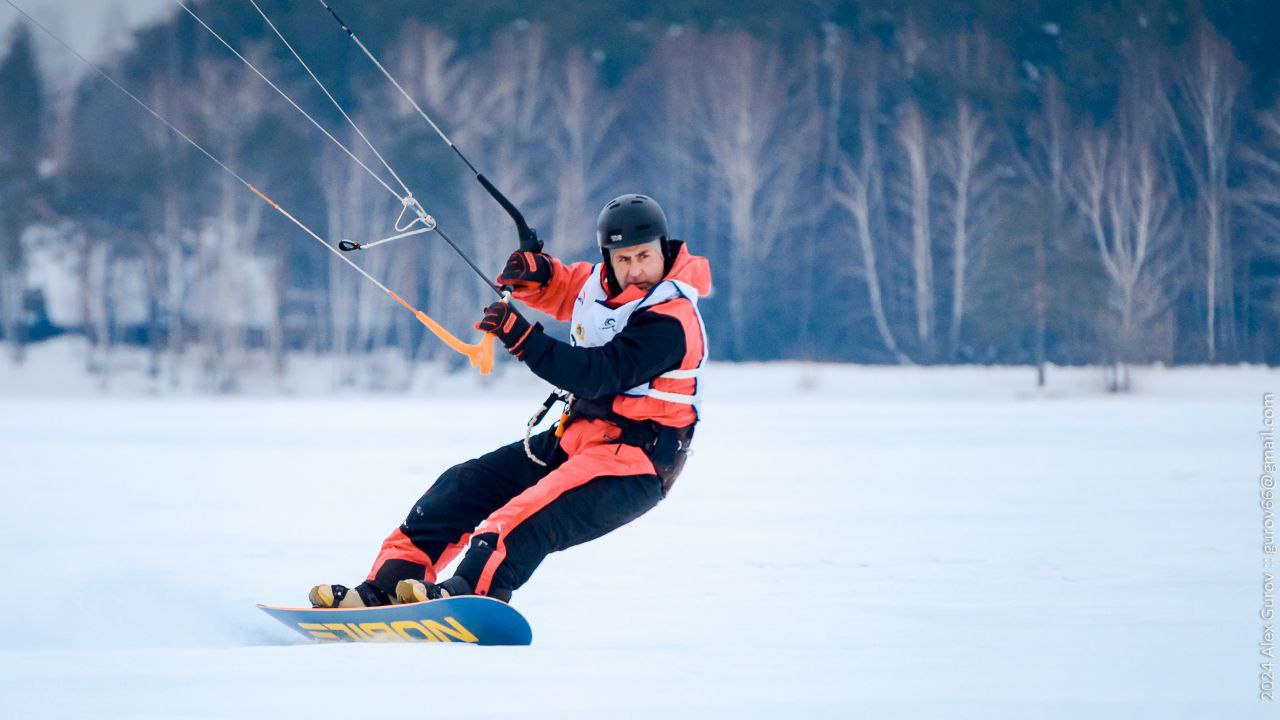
{"x":657,"y":339}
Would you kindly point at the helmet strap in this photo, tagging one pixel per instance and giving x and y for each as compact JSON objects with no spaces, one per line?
{"x":611,"y":281}
{"x":670,"y":249}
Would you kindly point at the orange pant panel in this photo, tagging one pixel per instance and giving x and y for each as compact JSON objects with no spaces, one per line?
{"x":398,"y":547}
{"x":593,"y":458}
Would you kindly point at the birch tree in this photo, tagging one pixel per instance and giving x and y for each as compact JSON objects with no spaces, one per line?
{"x":669,"y":138}
{"x":1260,"y":197}
{"x":586,"y":151}
{"x":226,"y":244}
{"x":490,"y":104}
{"x":1202,"y":115}
{"x":760,"y":146}
{"x":173,"y":243}
{"x":359,"y":312}
{"x":494,"y":105}
{"x":964,"y":155}
{"x":435,"y":74}
{"x":427,"y":62}
{"x":858,"y":188}
{"x":1045,"y":163}
{"x":916,"y":197}
{"x":1127,"y":203}
{"x":512,"y":82}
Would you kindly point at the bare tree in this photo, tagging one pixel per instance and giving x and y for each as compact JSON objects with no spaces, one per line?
{"x":94,"y":257}
{"x":682,"y":172}
{"x":832,"y":69}
{"x":169,"y":251}
{"x":586,"y":152}
{"x":444,"y":84}
{"x":1202,"y":115}
{"x":225,"y":295}
{"x":668,"y":139}
{"x":913,"y":141}
{"x":858,"y":188}
{"x":427,"y":61}
{"x":965,"y":165}
{"x":338,"y":185}
{"x":496,"y":109}
{"x":511,"y":82}
{"x":759,"y":141}
{"x":1127,"y":202}
{"x":1261,"y":195}
{"x":1045,"y":163}
{"x":360,"y":315}
{"x":490,"y":106}
{"x":495,"y":105}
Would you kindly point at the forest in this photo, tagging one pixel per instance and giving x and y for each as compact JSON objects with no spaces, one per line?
{"x":873,"y":182}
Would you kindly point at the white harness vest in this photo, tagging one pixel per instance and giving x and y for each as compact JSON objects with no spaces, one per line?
{"x":594,"y":323}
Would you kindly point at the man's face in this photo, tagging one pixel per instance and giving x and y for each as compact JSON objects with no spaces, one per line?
{"x":639,"y":265}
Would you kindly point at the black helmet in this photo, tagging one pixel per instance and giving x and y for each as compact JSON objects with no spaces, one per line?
{"x":630,"y":220}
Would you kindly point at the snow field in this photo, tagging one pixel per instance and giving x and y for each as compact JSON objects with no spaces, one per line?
{"x":844,"y":542}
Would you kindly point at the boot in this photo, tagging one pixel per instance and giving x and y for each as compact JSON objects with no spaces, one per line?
{"x":331,"y":596}
{"x":414,"y":591}
{"x":340,"y":596}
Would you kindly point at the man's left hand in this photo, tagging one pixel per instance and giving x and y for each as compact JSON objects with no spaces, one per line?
{"x":505,"y":321}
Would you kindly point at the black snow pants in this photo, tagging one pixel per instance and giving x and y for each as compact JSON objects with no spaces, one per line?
{"x":515,"y":512}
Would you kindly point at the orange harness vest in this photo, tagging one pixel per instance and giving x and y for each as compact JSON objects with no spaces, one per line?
{"x":595,"y":323}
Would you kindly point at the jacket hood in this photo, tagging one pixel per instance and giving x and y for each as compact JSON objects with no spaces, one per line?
{"x":692,"y":269}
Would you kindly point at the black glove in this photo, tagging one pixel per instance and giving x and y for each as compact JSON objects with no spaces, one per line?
{"x":505,"y":322}
{"x":526,"y":271}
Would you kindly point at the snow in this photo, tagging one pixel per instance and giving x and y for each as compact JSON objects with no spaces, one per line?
{"x":846,"y":542}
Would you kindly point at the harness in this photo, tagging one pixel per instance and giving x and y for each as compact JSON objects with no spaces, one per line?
{"x":666,"y":446}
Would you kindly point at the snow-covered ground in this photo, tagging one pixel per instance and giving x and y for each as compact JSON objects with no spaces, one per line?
{"x":846,"y":542}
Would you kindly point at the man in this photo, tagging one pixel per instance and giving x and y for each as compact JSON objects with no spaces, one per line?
{"x":636,"y":348}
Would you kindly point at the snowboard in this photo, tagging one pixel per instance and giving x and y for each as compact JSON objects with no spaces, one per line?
{"x":465,"y":619}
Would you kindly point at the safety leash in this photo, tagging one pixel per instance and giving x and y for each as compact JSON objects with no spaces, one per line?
{"x":552,"y":399}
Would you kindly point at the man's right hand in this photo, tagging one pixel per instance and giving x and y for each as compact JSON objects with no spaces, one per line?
{"x":526,"y":271}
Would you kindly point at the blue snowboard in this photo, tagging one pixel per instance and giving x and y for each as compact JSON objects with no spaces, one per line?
{"x":466,"y":619}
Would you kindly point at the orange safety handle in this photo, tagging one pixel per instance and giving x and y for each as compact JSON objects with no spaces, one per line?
{"x":564,"y":422}
{"x":480,"y":354}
